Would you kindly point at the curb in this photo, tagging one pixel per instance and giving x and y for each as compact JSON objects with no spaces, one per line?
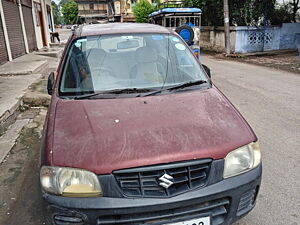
{"x":36,"y":70}
{"x":8,"y":140}
{"x":10,"y":116}
{"x":259,"y":54}
{"x":54,"y":54}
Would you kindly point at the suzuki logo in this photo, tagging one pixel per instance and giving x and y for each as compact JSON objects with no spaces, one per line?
{"x":166,"y":181}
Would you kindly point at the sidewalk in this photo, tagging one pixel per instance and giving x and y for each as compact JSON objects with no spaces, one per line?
{"x":22,"y":85}
{"x":12,"y":90}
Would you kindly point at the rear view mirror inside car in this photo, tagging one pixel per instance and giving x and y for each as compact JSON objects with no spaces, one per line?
{"x":128,"y":44}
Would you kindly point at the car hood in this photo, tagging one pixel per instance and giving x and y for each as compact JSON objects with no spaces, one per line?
{"x":104,"y":135}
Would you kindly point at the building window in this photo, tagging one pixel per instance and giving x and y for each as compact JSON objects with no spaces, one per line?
{"x":91,"y":6}
{"x":37,"y":10}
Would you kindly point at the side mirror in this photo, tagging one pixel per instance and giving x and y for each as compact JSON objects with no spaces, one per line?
{"x":50,"y":83}
{"x":207,"y":70}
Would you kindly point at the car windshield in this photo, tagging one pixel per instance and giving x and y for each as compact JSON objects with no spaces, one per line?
{"x":136,"y":61}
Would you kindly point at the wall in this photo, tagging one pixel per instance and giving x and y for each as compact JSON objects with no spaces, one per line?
{"x":251,"y":39}
{"x":38,"y":33}
{"x":289,"y":31}
{"x":47,"y":2}
{"x":212,"y":38}
{"x":46,"y":22}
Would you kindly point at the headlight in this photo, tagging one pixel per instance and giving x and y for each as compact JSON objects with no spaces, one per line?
{"x":242,"y":159}
{"x":70,"y":182}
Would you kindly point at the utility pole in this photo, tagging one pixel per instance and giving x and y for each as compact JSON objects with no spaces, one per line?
{"x":121,"y":13}
{"x":226,"y":27}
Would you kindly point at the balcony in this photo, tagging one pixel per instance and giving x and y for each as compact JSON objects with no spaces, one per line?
{"x":90,"y":12}
{"x":92,"y":1}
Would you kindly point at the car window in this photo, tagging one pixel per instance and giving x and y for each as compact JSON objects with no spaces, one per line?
{"x":109,"y":62}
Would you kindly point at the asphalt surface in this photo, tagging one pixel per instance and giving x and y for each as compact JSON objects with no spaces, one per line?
{"x":267,"y":98}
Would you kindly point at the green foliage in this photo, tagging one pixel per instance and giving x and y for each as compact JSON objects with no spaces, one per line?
{"x":56,"y":13}
{"x":212,"y":11}
{"x":295,"y":7}
{"x":282,"y":14}
{"x":70,"y":11}
{"x":141,"y":11}
{"x":156,"y":4}
{"x":241,"y":12}
{"x":251,"y":12}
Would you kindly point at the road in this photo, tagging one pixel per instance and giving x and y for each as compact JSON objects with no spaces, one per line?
{"x":269,"y":100}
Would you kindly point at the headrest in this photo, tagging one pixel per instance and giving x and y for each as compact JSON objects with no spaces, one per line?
{"x":146,"y":55}
{"x":95,"y":55}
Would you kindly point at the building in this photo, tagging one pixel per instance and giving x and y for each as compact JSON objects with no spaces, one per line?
{"x":90,"y":11}
{"x":24,"y":27}
{"x":123,"y":9}
{"x":43,"y":21}
{"x":113,"y":10}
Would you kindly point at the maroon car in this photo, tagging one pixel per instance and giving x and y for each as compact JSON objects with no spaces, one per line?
{"x":137,"y":133}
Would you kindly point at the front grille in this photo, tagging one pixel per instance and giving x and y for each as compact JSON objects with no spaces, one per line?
{"x":247,"y":201}
{"x":144,"y":181}
{"x":216,"y":209}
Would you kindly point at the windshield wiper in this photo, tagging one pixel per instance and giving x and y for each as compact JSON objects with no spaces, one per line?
{"x":176,"y":87}
{"x":114,"y":92}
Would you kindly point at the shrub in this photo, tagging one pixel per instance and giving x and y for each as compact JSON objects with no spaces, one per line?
{"x":141,"y":11}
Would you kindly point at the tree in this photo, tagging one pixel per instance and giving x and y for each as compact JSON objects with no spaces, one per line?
{"x":141,"y":11}
{"x":251,"y":12}
{"x":281,"y":14}
{"x":56,"y":13}
{"x":212,"y":11}
{"x":70,"y":11}
{"x":242,"y":13}
{"x":295,"y":7}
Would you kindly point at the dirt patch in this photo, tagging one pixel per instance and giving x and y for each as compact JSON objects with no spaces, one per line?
{"x":37,"y":94}
{"x":39,"y":86}
{"x":288,"y":61}
{"x":19,"y":177}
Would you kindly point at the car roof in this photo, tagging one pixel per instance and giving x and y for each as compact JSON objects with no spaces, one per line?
{"x":119,"y":28}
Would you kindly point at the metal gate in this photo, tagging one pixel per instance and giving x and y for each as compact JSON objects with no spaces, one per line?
{"x":14,"y":28}
{"x":29,"y":27}
{"x":3,"y":52}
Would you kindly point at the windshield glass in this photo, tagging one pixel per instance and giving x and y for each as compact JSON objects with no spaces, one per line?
{"x":139,"y":61}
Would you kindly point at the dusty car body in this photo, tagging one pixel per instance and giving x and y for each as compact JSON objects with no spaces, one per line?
{"x":176,"y":155}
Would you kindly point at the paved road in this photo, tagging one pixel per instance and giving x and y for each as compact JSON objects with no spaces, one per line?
{"x":270,"y":101}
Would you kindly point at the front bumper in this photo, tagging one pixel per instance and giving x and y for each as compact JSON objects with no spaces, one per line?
{"x":225,"y":202}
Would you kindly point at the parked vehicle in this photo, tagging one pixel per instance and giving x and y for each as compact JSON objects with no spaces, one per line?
{"x":137,"y":133}
{"x":183,"y":18}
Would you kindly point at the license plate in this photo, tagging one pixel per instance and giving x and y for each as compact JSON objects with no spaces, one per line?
{"x":201,"y":221}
